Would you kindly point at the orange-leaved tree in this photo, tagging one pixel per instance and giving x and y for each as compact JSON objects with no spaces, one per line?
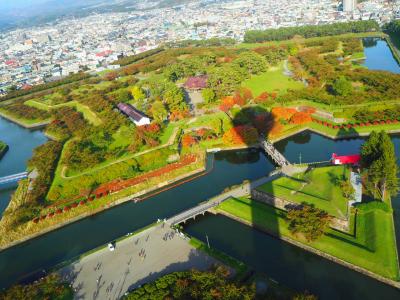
{"x":300,"y":118}
{"x":227,"y":103}
{"x":283,"y":113}
{"x":241,"y":134}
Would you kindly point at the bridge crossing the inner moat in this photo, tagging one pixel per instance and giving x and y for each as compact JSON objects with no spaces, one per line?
{"x":13,"y":178}
{"x":277,"y":157}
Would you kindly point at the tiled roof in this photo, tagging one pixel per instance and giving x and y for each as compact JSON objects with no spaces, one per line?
{"x":130,"y":111}
{"x":197,"y":82}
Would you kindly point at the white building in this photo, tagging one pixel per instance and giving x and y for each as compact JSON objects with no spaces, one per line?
{"x":349,"y":5}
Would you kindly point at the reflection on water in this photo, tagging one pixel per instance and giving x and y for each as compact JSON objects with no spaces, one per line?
{"x":239,"y":157}
{"x":379,"y":56}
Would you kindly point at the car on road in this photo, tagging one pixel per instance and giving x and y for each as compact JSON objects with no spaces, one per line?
{"x":111,"y":246}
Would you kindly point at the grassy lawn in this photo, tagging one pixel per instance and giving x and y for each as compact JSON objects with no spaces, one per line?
{"x":86,"y":111}
{"x":353,"y":131}
{"x":239,"y":266}
{"x":358,"y":55}
{"x":22,"y":121}
{"x":372,"y":246}
{"x":319,"y":187}
{"x":271,"y":81}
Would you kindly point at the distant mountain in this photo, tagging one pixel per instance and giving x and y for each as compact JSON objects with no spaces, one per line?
{"x":22,"y":13}
{"x":32,"y":12}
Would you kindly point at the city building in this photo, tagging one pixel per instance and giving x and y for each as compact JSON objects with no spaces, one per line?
{"x":349,"y":5}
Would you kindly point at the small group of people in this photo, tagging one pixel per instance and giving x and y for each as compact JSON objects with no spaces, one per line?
{"x":98,"y":266}
{"x":142,"y":253}
{"x":168,"y":236}
{"x":110,"y":287}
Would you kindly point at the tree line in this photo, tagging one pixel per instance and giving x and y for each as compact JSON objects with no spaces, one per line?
{"x":41,"y":87}
{"x":286,"y":33}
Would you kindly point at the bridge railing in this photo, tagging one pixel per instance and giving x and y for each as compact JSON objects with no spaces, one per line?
{"x":13,"y":178}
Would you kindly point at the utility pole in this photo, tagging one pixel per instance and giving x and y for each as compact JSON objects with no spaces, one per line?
{"x":208,"y":243}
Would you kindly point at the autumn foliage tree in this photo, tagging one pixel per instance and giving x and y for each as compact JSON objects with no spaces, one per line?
{"x":300,"y":118}
{"x":262,"y":98}
{"x":227,"y":103}
{"x":188,"y":141}
{"x":242,"y":134}
{"x":283,"y":113}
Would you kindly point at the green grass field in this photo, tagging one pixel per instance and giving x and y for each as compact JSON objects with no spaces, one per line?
{"x":271,"y":81}
{"x":372,"y":246}
{"x":319,"y":187}
{"x":88,"y":114}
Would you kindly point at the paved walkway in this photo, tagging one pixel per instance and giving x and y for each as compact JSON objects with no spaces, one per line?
{"x":356,"y":182}
{"x":136,"y":260}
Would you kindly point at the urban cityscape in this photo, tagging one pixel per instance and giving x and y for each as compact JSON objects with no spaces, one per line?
{"x":199,"y":149}
{"x":31,"y":56}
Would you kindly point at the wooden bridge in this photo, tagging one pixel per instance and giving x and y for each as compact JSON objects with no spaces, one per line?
{"x":13,"y":178}
{"x":276,"y":156}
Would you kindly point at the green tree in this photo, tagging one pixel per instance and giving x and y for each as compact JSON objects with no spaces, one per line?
{"x":137,"y":93}
{"x":308,"y":220}
{"x":342,"y":87}
{"x":208,"y":95}
{"x":158,"y":111}
{"x":252,"y":62}
{"x":225,"y":80}
{"x":369,"y":150}
{"x":174,"y":98}
{"x":174,"y":72}
{"x":379,"y":160}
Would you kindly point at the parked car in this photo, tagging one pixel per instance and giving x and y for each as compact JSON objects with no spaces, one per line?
{"x":111,"y":246}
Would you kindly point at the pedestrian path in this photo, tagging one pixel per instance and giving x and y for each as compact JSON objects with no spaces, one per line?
{"x":135,"y":261}
{"x":356,"y":182}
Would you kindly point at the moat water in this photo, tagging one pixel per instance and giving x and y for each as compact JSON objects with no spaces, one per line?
{"x":288,"y":265}
{"x":379,"y":56}
{"x":21,"y":143}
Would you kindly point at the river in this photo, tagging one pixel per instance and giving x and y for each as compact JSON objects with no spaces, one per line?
{"x":21,"y":142}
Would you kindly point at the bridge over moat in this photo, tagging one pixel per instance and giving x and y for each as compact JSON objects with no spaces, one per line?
{"x":242,"y":190}
{"x":277,"y":157}
{"x":13,"y":178}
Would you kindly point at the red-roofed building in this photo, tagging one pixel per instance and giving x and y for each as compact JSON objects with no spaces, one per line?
{"x":11,"y":62}
{"x":26,"y":87}
{"x":196,"y":82}
{"x":346,"y":159}
{"x":104,"y":53}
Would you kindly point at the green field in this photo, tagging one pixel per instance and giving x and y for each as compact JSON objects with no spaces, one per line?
{"x":372,"y":246}
{"x":271,"y":81}
{"x":87,"y":113}
{"x":319,"y":187}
